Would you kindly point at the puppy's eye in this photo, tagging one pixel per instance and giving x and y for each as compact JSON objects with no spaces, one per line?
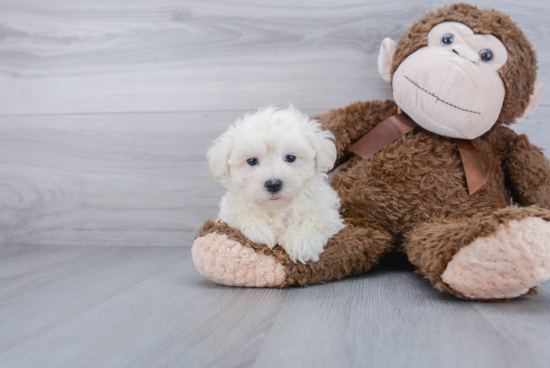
{"x":290,"y":158}
{"x":252,"y":161}
{"x":447,"y":39}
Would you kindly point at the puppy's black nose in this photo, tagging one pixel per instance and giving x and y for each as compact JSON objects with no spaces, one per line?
{"x":273,"y":186}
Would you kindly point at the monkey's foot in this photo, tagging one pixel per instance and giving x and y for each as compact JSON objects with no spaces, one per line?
{"x":503,"y":265}
{"x":228,"y":262}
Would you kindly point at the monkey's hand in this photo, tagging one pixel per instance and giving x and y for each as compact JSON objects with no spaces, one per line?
{"x":528,"y":172}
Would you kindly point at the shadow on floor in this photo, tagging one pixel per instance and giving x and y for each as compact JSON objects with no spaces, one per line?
{"x":395,"y":261}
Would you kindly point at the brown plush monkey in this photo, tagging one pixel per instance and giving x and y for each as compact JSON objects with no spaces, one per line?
{"x":460,"y":73}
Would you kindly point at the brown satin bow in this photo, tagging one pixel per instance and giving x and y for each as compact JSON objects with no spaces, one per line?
{"x":400,"y":124}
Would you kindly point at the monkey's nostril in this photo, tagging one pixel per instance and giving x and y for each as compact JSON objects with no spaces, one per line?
{"x":466,"y":53}
{"x":273,"y":186}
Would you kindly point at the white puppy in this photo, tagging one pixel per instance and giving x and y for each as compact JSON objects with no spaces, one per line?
{"x":274,"y":165}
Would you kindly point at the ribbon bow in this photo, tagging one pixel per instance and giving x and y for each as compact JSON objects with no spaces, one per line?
{"x":400,"y":124}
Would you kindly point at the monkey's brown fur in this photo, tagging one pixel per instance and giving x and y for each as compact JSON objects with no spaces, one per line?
{"x":412,"y":196}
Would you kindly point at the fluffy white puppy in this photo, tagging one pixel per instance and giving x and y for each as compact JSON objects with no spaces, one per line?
{"x":274,"y":165}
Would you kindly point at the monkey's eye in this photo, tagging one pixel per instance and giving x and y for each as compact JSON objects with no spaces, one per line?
{"x":290,"y":158}
{"x":252,"y":161}
{"x":447,"y":39}
{"x":486,"y":55}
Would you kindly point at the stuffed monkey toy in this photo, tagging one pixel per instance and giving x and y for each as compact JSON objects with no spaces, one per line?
{"x":444,"y":181}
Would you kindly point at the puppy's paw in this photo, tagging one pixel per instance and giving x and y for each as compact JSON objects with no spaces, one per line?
{"x":260,"y":235}
{"x":301,"y":248}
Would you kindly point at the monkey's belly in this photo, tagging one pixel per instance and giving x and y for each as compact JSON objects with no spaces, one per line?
{"x":416,"y":178}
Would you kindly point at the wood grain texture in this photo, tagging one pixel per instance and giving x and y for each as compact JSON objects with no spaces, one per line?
{"x":107,"y":108}
{"x":148,"y":307}
{"x":120,"y":179}
{"x":66,"y":56}
{"x":123,"y":179}
{"x":106,"y":111}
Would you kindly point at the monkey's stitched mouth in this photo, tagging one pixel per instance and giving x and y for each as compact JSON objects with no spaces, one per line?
{"x":438,"y":99}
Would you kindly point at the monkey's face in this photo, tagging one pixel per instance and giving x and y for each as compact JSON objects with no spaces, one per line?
{"x":452,"y":86}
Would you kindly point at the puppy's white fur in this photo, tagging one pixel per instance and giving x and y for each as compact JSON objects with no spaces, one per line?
{"x":304,"y":214}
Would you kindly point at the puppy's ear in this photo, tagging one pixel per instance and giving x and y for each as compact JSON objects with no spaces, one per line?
{"x":323,"y":143}
{"x":218,"y":155}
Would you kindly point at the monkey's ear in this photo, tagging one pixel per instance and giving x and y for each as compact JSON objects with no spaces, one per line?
{"x":533,"y":103}
{"x":385,"y":58}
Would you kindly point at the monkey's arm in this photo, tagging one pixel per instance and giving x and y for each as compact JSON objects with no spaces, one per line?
{"x":352,"y":122}
{"x":528,"y":172}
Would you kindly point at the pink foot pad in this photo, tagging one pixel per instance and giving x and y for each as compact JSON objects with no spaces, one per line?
{"x":228,"y":262}
{"x":504,"y":265}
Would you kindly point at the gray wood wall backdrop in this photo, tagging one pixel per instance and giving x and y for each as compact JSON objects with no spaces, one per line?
{"x":107,"y":107}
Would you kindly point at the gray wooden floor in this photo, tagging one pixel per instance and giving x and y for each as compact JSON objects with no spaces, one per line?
{"x":63,"y":306}
{"x":106,"y":111}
